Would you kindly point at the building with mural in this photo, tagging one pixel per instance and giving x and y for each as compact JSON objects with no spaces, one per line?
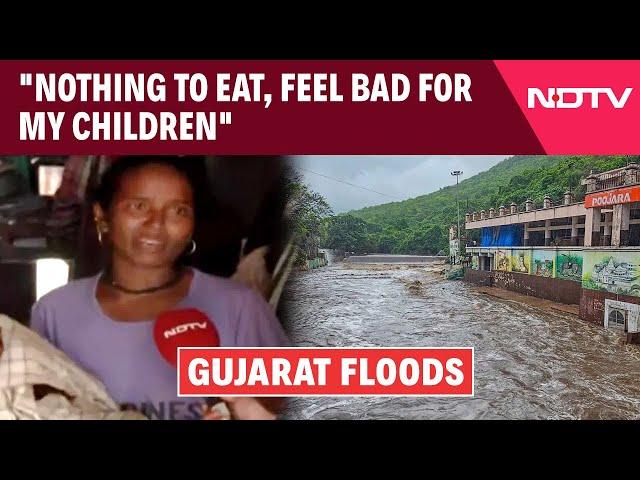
{"x":616,"y":274}
{"x":584,"y":252}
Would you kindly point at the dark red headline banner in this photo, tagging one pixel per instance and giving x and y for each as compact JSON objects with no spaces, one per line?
{"x":490,"y":123}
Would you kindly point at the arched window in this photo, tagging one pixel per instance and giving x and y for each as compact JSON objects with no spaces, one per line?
{"x":616,"y":318}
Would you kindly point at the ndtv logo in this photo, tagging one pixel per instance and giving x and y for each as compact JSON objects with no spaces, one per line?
{"x":574,"y":97}
{"x":185,"y":327}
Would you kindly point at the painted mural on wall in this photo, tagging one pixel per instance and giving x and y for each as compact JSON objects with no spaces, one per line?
{"x":615,"y":272}
{"x":569,"y":265}
{"x":474,"y":262}
{"x":521,"y":261}
{"x":503,"y":260}
{"x":543,"y":263}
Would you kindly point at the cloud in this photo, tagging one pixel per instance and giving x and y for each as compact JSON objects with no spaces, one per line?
{"x":394,"y":177}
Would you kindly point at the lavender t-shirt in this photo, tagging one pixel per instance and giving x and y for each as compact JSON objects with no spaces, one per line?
{"x":123,"y":355}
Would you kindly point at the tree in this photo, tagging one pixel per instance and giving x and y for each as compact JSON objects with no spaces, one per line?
{"x":307,"y":213}
{"x":348,"y":233}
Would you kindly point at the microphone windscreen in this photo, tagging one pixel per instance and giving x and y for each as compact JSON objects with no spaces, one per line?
{"x":183,"y":328}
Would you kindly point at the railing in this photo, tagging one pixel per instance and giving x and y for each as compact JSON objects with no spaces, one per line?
{"x":607,"y":181}
{"x":560,"y":203}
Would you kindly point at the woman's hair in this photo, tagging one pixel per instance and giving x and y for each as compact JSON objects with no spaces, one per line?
{"x":192,"y":168}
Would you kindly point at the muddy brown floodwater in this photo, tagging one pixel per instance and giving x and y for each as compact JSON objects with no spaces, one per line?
{"x":529,"y":363}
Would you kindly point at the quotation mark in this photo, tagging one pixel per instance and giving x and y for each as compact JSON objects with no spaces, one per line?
{"x":25,"y":79}
{"x":225,"y":118}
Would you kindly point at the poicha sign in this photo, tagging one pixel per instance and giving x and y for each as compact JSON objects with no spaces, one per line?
{"x":612,"y":197}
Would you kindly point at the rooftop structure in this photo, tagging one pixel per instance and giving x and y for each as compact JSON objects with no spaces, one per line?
{"x":609,"y":215}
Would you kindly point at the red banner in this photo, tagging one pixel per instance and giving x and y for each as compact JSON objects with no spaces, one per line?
{"x":612,"y":197}
{"x":296,"y":372}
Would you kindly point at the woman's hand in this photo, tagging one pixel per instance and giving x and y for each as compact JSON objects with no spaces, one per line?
{"x":239,"y":408}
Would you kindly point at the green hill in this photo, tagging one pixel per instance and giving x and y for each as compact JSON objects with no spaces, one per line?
{"x":420,"y":225}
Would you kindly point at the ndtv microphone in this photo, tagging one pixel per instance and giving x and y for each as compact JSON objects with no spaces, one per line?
{"x":184,"y":328}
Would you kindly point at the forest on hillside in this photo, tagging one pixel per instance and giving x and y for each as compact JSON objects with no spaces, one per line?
{"x":421,"y":225}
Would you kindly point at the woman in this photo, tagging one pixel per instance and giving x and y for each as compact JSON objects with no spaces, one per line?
{"x":146,"y":212}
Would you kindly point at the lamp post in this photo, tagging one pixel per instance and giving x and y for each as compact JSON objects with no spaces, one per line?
{"x":457,"y":174}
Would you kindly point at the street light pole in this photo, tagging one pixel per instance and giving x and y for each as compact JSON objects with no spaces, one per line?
{"x":457,"y":174}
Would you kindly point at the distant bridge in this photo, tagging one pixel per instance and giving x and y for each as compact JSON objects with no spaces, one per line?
{"x":397,"y":259}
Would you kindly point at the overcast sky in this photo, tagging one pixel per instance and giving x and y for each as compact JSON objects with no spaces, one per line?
{"x":394,"y":177}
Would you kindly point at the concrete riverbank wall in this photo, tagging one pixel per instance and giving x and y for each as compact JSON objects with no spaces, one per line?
{"x":554,"y":289}
{"x":592,"y":303}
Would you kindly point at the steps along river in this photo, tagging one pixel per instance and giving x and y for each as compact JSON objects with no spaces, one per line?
{"x":529,"y":363}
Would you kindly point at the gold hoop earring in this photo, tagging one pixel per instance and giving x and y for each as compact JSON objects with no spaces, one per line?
{"x":193,"y":247}
{"x":101,"y":229}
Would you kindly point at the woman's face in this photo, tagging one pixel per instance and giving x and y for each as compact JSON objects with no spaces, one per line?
{"x":151,"y":218}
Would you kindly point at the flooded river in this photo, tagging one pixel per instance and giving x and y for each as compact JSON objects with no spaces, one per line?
{"x":530,"y":363}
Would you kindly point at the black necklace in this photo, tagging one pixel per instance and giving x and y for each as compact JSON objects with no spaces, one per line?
{"x":176,"y":278}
